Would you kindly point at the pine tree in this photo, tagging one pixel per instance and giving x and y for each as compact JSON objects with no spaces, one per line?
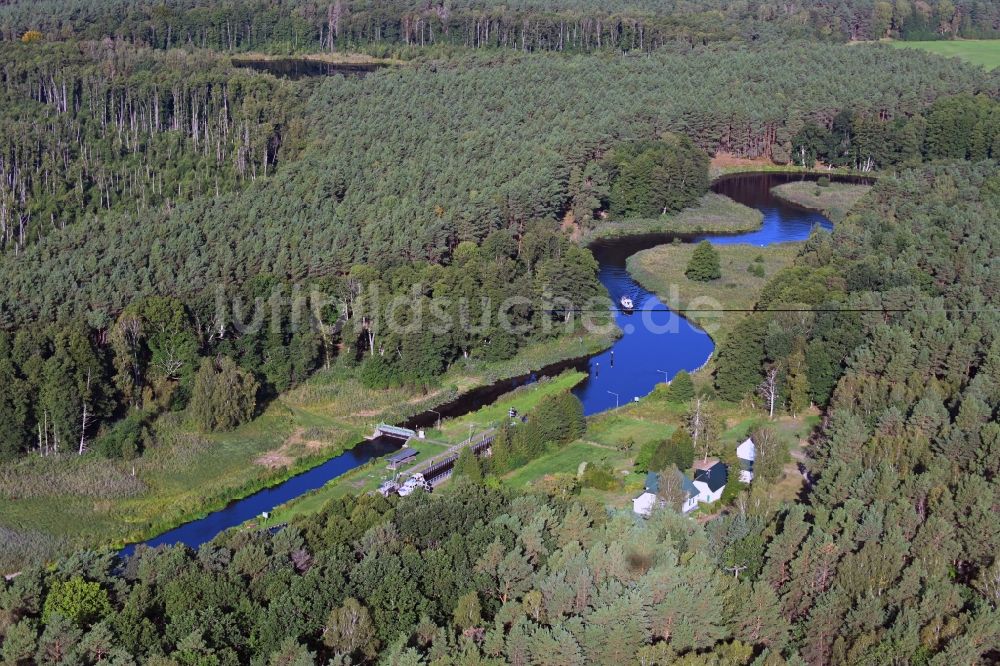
{"x":681,"y":388}
{"x":741,"y":356}
{"x":704,"y":263}
{"x":758,"y":618}
{"x":798,"y":383}
{"x":501,"y":457}
{"x":15,"y":434}
{"x":468,"y":465}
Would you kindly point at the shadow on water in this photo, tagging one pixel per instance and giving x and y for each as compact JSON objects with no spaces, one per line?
{"x":303,"y":68}
{"x":655,"y":345}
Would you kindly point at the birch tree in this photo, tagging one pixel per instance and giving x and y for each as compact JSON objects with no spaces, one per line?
{"x":768,"y":390}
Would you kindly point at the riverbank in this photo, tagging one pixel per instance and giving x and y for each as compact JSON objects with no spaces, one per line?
{"x":713,"y":306}
{"x":369,"y":476}
{"x":714,"y":213}
{"x":188,"y":475}
{"x":835,"y":200}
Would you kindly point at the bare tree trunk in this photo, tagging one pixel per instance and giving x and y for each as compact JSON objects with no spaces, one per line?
{"x":698,"y":426}
{"x":84,"y":421}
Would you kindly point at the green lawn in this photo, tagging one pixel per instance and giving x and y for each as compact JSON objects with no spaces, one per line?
{"x":617,"y":427}
{"x":567,"y":460}
{"x":984,"y":52}
{"x":523,"y":399}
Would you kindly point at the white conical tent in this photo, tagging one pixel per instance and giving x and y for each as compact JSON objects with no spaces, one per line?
{"x":747,"y":450}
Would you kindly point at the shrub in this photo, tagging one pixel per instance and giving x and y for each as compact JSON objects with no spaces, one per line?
{"x":601,"y":477}
{"x":126,"y":439}
{"x":677,"y":451}
{"x":77,"y":600}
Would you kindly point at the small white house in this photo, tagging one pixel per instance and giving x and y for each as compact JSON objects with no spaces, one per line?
{"x":644,"y":504}
{"x":747,"y":453}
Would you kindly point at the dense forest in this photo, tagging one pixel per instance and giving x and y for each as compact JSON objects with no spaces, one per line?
{"x":896,"y":552}
{"x":451,"y":151}
{"x":64,"y":383}
{"x":95,"y":127}
{"x":377,"y":176}
{"x":526,"y":25}
{"x":891,"y":558}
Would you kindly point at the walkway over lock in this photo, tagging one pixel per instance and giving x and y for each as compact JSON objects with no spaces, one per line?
{"x":394,"y":431}
{"x":442,"y":469}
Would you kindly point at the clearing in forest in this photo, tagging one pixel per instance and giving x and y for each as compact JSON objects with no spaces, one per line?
{"x":984,"y":52}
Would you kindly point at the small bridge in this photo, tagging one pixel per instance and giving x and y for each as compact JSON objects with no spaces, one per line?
{"x":384,"y":429}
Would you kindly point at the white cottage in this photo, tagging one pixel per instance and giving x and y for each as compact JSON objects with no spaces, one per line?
{"x":747,"y":453}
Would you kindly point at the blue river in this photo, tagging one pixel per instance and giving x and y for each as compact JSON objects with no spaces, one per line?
{"x":655,"y":345}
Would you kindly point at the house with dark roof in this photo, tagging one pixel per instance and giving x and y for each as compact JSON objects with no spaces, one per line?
{"x":710,"y":479}
{"x":644,"y":504}
{"x":690,"y":493}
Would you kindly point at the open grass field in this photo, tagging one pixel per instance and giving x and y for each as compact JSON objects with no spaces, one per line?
{"x":714,"y":213}
{"x":94,"y":502}
{"x":835,"y":200}
{"x":661,"y":270}
{"x":984,"y":52}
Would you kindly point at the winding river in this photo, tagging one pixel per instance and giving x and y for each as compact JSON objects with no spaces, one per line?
{"x":655,"y":345}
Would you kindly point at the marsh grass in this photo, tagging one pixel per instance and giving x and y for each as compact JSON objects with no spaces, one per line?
{"x":68,"y":475}
{"x":25,"y":547}
{"x":834,"y":200}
